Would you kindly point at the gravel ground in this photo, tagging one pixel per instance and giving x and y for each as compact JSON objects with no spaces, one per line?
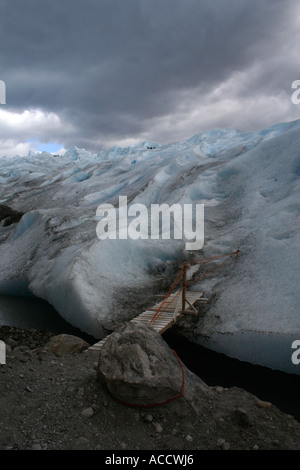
{"x":57,"y":403}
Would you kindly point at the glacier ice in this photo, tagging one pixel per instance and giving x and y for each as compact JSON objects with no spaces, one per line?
{"x":249,"y":185}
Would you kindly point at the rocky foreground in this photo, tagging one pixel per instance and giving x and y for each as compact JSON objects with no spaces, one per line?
{"x":56,"y":395}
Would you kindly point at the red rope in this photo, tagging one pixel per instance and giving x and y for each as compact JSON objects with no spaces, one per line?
{"x":159,"y":311}
{"x":212,"y":258}
{"x":228,"y":256}
{"x":179,"y":276}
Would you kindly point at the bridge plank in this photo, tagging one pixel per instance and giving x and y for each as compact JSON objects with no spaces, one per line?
{"x":165,"y":318}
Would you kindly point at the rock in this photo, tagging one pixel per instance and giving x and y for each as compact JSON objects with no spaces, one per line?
{"x":87,"y":412}
{"x":65,"y":345}
{"x":242,"y":418}
{"x":226,"y":445}
{"x":263,"y":404}
{"x":223,"y":444}
{"x":9,"y":216}
{"x":96,"y":408}
{"x":42,"y":355}
{"x":138,"y":367}
{"x":36,"y":447}
{"x":83,"y":443}
{"x":23,"y":359}
{"x":148,"y":418}
{"x":11,"y":342}
{"x":22,"y":350}
{"x":158,"y":427}
{"x":189,"y":438}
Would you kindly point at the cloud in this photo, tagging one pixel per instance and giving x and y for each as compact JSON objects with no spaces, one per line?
{"x":94,"y":73}
{"x":23,"y":131}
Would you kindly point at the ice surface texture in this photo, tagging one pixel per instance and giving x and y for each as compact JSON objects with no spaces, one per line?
{"x":248,"y":183}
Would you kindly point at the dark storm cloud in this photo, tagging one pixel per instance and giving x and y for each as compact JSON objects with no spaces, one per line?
{"x":111,"y":68}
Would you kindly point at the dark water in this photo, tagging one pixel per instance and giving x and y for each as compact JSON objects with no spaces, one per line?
{"x":272,"y":350}
{"x":215,"y":368}
{"x":31,"y":312}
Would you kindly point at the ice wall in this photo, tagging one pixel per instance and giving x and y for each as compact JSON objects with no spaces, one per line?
{"x":248,"y":183}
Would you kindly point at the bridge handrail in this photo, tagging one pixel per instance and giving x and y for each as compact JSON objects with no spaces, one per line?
{"x":185,"y":284}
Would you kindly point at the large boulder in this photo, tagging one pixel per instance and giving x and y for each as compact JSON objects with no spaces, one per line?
{"x":65,"y":345}
{"x":139,"y":368}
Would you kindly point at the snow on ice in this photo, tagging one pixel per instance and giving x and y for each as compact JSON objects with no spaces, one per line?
{"x":248,"y":183}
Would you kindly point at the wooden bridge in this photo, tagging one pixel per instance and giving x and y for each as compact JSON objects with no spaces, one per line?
{"x":169,"y":314}
{"x":177,"y":303}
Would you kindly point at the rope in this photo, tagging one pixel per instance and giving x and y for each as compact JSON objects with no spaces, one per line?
{"x":137,"y":405}
{"x":228,"y":256}
{"x":179,"y":276}
{"x":212,"y":258}
{"x":159,"y":311}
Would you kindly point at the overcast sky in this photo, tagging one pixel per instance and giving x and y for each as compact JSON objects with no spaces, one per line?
{"x":97,"y":73}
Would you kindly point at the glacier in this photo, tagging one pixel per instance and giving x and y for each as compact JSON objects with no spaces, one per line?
{"x":249,"y":184}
